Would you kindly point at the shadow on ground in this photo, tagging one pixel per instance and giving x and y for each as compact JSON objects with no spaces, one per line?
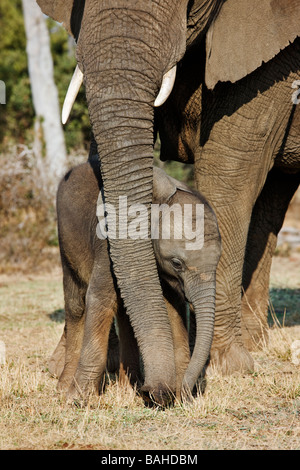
{"x":58,"y":316}
{"x":284,"y":302}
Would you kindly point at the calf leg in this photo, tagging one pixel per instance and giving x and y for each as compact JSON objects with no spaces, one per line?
{"x":56,"y":362}
{"x":74,"y":293}
{"x":101,"y":307}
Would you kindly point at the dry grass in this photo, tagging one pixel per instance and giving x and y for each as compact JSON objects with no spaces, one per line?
{"x":28,"y":234}
{"x":256,"y":411}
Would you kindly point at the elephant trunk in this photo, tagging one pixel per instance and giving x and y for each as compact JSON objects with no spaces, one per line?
{"x":202,"y":295}
{"x":121,"y":111}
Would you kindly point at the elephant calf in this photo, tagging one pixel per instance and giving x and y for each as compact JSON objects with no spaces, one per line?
{"x":186,"y":266}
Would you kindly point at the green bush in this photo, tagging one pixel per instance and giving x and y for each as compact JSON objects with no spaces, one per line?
{"x":17,"y":115}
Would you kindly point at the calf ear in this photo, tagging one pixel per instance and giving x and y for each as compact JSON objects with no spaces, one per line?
{"x":247,"y":33}
{"x":164,"y":186}
{"x":67,"y":12}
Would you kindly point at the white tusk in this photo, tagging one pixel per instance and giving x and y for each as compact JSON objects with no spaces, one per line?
{"x":72,"y":92}
{"x":166,"y":87}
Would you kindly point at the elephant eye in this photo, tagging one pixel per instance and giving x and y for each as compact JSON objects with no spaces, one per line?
{"x":177,"y":264}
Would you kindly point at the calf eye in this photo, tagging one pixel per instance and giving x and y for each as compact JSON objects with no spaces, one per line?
{"x":177,"y":264}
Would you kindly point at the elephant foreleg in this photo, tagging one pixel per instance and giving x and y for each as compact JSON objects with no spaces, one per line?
{"x":228,"y":351}
{"x":266,"y":221}
{"x":233,"y":203}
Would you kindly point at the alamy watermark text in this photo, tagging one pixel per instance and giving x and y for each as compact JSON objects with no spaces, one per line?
{"x":176,"y":222}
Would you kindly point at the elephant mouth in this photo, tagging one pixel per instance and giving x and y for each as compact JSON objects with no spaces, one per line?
{"x":77,"y":80}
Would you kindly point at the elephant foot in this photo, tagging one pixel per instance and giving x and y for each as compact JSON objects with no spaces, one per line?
{"x":56,"y":362}
{"x":56,"y":365}
{"x":71,"y":393}
{"x":66,"y":377}
{"x":255,"y":338}
{"x":255,"y":328}
{"x":234,"y":359}
{"x":75,"y":396}
{"x":63,"y":384}
{"x":82,"y":389}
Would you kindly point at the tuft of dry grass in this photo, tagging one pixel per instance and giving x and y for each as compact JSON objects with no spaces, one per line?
{"x":251,"y":411}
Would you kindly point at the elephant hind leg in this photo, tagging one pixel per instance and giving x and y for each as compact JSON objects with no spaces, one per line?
{"x":71,"y":340}
{"x":232,"y":359}
{"x":101,"y":307}
{"x":266,"y":221}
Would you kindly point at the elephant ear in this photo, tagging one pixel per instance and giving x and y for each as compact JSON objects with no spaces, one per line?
{"x":247,"y":33}
{"x":164,"y":186}
{"x":67,"y":12}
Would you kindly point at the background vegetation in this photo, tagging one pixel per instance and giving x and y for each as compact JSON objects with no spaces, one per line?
{"x":17,"y":117}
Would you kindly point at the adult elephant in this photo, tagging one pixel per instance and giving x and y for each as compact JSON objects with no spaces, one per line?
{"x":124,"y":49}
{"x":244,"y":136}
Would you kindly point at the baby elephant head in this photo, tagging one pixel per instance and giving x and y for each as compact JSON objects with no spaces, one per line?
{"x":187,"y":245}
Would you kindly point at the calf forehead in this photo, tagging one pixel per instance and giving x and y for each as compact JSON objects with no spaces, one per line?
{"x":189,"y":251}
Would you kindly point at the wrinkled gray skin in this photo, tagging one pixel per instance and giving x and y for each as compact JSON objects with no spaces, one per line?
{"x":245,"y":142}
{"x":230,"y":112}
{"x":92,"y":299}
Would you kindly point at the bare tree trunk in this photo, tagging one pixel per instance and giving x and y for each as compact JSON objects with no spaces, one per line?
{"x":45,"y":97}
